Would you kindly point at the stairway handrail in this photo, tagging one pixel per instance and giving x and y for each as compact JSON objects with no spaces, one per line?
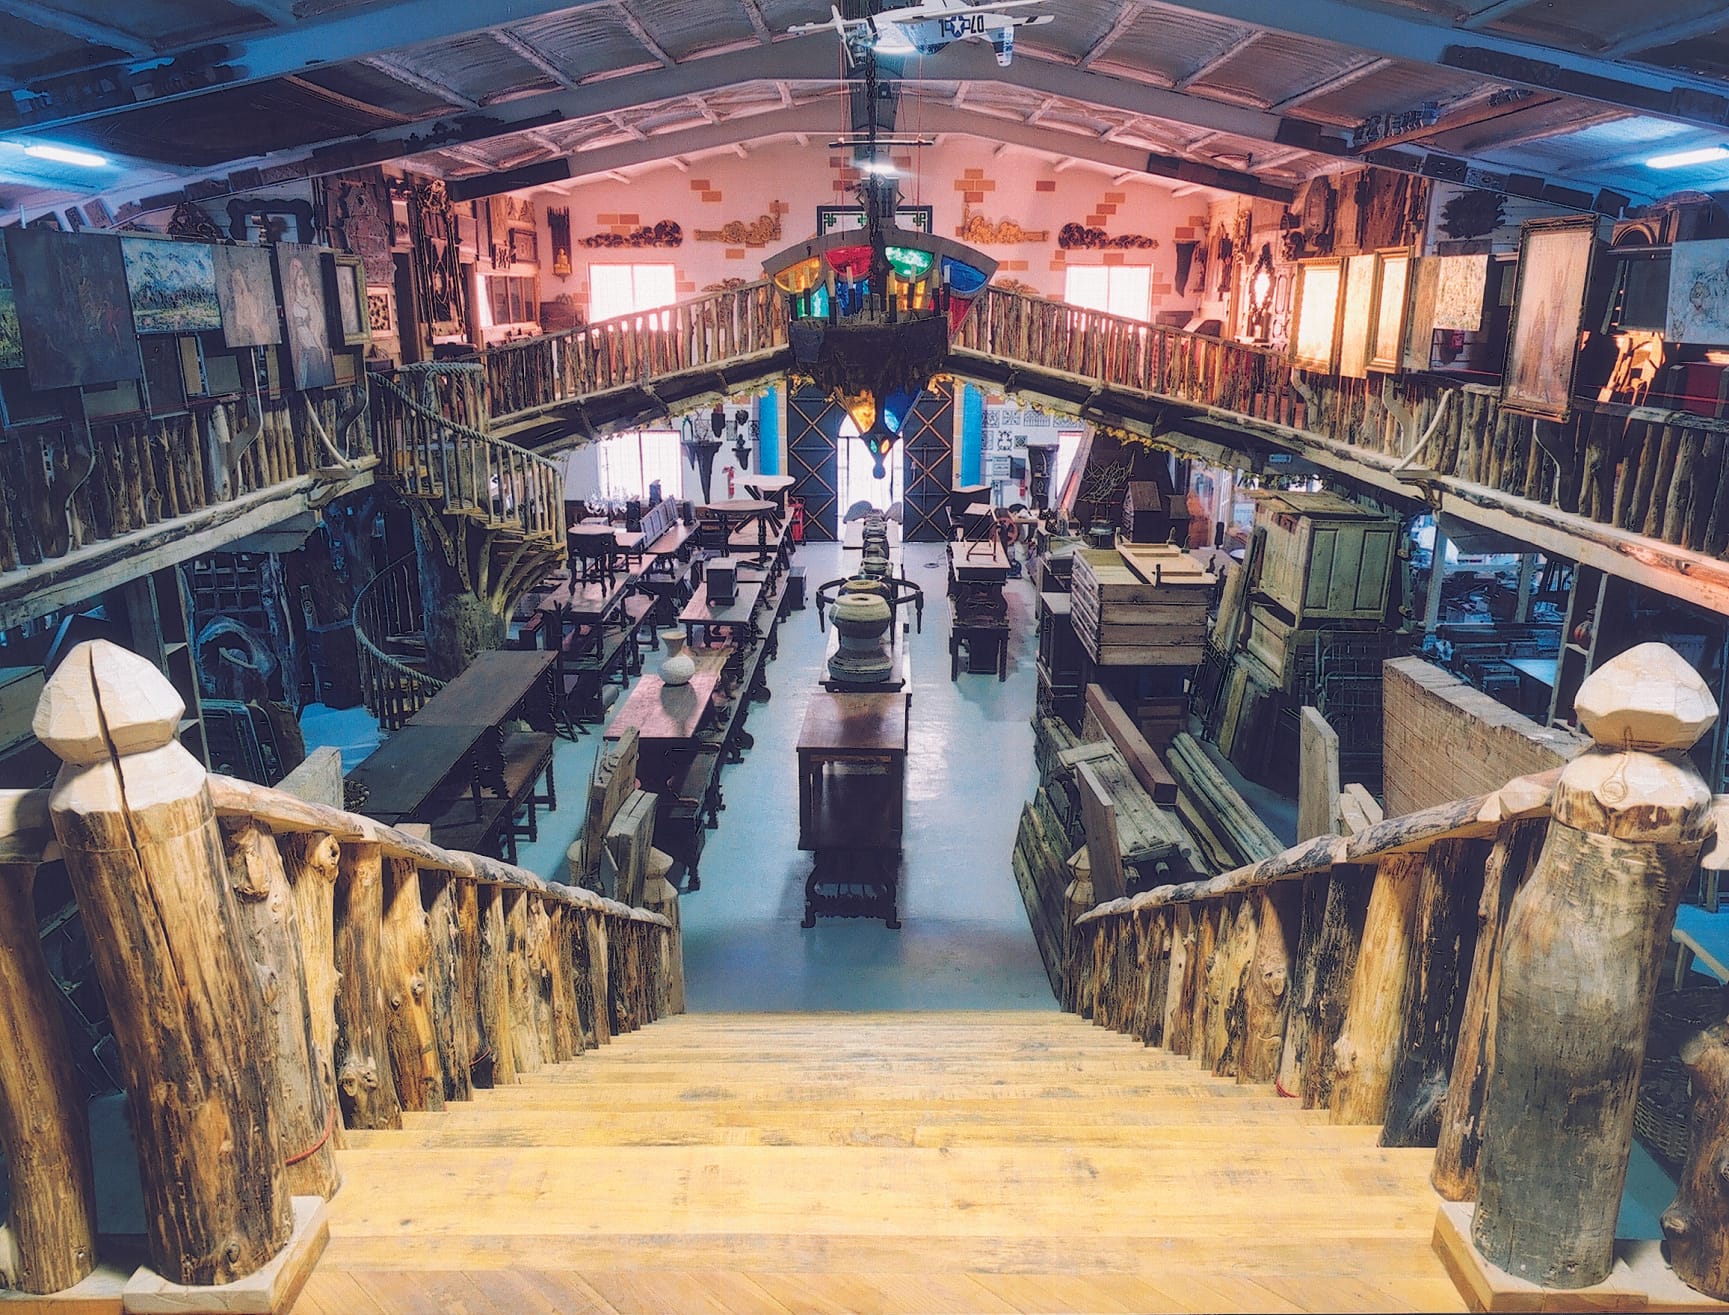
{"x":456,"y":426}
{"x":1474,"y":817}
{"x":418,"y":682}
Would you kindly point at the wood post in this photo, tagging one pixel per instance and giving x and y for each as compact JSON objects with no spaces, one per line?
{"x":1329,"y":961}
{"x":143,"y":850}
{"x":1461,"y":1135}
{"x":520,"y":974}
{"x":1267,"y":995}
{"x":447,"y":1004}
{"x":269,"y":917}
{"x":1364,"y":1053}
{"x":362,"y":1056}
{"x":404,"y":951}
{"x":1696,"y":1223}
{"x":1580,"y":962}
{"x":313,"y":861}
{"x":493,"y":989}
{"x":44,"y":1130}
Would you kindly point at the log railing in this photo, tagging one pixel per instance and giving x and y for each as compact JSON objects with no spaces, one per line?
{"x":536,"y":374}
{"x":1477,"y":977}
{"x":276,"y":971}
{"x":389,"y":622}
{"x":428,"y":421}
{"x":64,"y":487}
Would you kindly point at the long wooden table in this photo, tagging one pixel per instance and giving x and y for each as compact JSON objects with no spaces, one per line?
{"x":852,"y":753}
{"x":491,"y":689}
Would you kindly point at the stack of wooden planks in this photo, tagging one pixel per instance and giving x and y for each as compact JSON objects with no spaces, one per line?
{"x":1140,"y":605}
{"x":1150,"y":838}
{"x":1225,"y":828}
{"x":1040,"y":859}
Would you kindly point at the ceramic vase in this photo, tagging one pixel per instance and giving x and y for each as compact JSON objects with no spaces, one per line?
{"x":677,"y":667}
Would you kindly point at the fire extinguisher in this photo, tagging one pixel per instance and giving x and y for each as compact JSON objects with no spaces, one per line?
{"x":729,"y":473}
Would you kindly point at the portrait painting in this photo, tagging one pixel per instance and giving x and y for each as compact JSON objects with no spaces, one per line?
{"x":172,"y":285}
{"x":1699,"y":292}
{"x":1357,"y":319}
{"x":74,"y":314}
{"x":346,"y":283}
{"x":11,"y":345}
{"x":300,"y":282}
{"x":1554,"y":273}
{"x":246,"y":290}
{"x":1392,"y":288}
{"x":1320,"y":286}
{"x":1460,"y":281}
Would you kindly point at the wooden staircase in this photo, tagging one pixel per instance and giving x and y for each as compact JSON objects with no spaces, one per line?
{"x":877,"y":1162}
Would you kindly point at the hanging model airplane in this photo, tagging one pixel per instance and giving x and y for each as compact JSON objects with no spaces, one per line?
{"x":927,"y":27}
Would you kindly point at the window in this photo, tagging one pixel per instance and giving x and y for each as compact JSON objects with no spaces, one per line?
{"x":1124,"y":290}
{"x":615,"y":290}
{"x":629,"y":463}
{"x":512,"y":299}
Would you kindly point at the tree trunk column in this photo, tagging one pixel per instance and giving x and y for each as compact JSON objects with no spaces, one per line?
{"x":144,"y":852}
{"x":1584,"y":947}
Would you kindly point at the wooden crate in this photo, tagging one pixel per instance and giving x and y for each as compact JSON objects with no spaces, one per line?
{"x":1325,"y":559}
{"x":1151,"y":515}
{"x":1150,"y":611}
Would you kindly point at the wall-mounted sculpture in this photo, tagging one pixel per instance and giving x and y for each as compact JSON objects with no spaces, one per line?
{"x":982,"y":232}
{"x":666,"y":233}
{"x":1079,"y":236}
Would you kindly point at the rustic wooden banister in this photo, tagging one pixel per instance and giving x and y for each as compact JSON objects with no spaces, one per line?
{"x":277,"y":971}
{"x":1475,"y":977}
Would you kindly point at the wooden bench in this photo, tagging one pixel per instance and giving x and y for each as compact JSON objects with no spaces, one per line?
{"x":496,"y":820}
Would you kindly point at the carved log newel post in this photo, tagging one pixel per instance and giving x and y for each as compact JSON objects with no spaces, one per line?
{"x":145,"y":856}
{"x":1584,"y":947}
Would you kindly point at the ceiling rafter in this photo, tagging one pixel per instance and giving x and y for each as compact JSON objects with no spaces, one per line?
{"x":1654,"y":38}
{"x":1356,"y":73}
{"x":1666,"y":93}
{"x":625,"y":126}
{"x":1489,"y":13}
{"x":1125,"y":20}
{"x":531,"y":55}
{"x":644,"y":37}
{"x":758,"y":24}
{"x":85,"y":29}
{"x":419,"y":81}
{"x":1206,"y":68}
{"x":353,"y":103}
{"x":470,"y":155}
{"x":1043,"y":108}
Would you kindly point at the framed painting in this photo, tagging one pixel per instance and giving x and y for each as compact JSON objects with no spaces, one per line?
{"x":1357,"y":316}
{"x":74,"y":314}
{"x":1459,"y":288}
{"x":11,"y":343}
{"x":1699,"y":293}
{"x":172,"y":285}
{"x":1315,"y":337}
{"x":247,"y":294}
{"x":345,"y":279}
{"x":1554,"y":274}
{"x":164,"y":387}
{"x":1392,"y":299}
{"x":300,"y":284}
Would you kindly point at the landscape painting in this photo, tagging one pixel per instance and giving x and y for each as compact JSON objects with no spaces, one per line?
{"x":74,"y":317}
{"x":173,"y":286}
{"x":246,"y":291}
{"x":11,"y":344}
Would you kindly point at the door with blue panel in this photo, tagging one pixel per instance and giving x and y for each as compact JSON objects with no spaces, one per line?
{"x":928,"y":447}
{"x":813,"y":424}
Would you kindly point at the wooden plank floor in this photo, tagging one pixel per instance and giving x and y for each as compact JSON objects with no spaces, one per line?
{"x":866,"y":1163}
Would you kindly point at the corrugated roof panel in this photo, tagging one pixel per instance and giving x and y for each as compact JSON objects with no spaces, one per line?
{"x":476,"y":66}
{"x":585,"y":41}
{"x":367,"y":85}
{"x":1388,"y":90}
{"x":1163,"y":46}
{"x":1706,"y":56}
{"x":1273,"y":67}
{"x":1596,"y":24}
{"x":1079,"y":26}
{"x":683,"y":28}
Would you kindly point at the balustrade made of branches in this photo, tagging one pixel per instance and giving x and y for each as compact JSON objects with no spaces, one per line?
{"x":1478,"y":976}
{"x":62,"y":489}
{"x":534,"y":374}
{"x":463,"y":471}
{"x":276,"y":972}
{"x":389,"y":615}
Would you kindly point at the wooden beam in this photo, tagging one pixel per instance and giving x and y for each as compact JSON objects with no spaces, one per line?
{"x":1207,"y":68}
{"x":1125,"y":20}
{"x":1154,"y":777}
{"x":530,"y":55}
{"x":400,"y":72}
{"x":1473,"y":116}
{"x":643,"y":36}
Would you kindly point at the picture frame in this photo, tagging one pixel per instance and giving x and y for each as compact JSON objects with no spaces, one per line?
{"x":301,"y":288}
{"x":1552,"y":282}
{"x":345,"y":279}
{"x":1357,"y":315}
{"x":172,"y":285}
{"x":1315,"y":329}
{"x":1392,"y":307}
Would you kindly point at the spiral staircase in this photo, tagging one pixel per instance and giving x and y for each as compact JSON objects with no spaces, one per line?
{"x":494,"y":510}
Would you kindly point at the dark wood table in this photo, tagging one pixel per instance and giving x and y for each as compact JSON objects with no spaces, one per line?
{"x":852,"y":753}
{"x":736,"y":619}
{"x":670,"y":715}
{"x":402,"y":773}
{"x":491,"y":690}
{"x":626,"y":541}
